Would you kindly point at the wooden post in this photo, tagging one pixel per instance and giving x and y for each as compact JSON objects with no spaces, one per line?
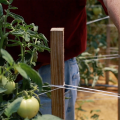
{"x":57,"y":70}
{"x":108,"y":50}
{"x":119,"y":77}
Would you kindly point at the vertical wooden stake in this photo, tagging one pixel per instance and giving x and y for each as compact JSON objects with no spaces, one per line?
{"x":119,"y":77}
{"x":108,"y":50}
{"x":57,"y":70}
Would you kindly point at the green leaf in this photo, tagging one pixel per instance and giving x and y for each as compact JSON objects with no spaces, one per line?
{"x":1,"y":112}
{"x":95,"y":111}
{"x":8,"y":25}
{"x":2,"y":90}
{"x":34,"y":75}
{"x":43,"y":38}
{"x":18,"y":32}
{"x":7,"y":56}
{"x":14,"y":44}
{"x":1,"y":10}
{"x":95,"y":116}
{"x":47,"y":117}
{"x":40,"y":47}
{"x":13,"y":8}
{"x":10,"y":1}
{"x":32,"y":33}
{"x":80,"y":108}
{"x":21,"y":71}
{"x":4,"y":2}
{"x":28,"y":26}
{"x":27,"y":37}
{"x":35,"y":28}
{"x":15,"y":16}
{"x":13,"y":107}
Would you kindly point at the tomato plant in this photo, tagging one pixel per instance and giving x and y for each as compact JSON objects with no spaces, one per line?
{"x":19,"y":100}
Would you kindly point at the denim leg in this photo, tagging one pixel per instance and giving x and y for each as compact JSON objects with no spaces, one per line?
{"x":45,"y":73}
{"x":71,"y":78}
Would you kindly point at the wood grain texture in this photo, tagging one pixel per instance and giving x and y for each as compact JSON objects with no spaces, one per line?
{"x":119,"y":78}
{"x":108,"y":51}
{"x":57,"y":70}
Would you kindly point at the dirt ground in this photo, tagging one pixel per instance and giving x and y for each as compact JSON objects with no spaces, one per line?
{"x":101,"y":107}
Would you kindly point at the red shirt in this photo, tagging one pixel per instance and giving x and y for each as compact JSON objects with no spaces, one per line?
{"x":70,"y":14}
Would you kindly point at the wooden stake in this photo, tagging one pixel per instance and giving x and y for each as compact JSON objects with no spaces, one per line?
{"x":57,"y":70}
{"x":119,"y":78}
{"x":108,"y":50}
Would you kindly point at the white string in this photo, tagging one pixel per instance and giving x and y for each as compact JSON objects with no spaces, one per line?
{"x":83,"y":88}
{"x":95,"y":92}
{"x":91,"y":92}
{"x":91,"y":89}
{"x":82,"y":99}
{"x":87,"y":90}
{"x":48,"y":91}
{"x":101,"y":56}
{"x":97,"y":20}
{"x":78,"y":97}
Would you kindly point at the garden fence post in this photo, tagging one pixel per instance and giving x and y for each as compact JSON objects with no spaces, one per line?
{"x":57,"y":71}
{"x":108,"y":50}
{"x":119,"y":77}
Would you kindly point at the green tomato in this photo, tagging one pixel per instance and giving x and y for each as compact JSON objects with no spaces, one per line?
{"x":28,"y":108}
{"x":97,"y":10}
{"x":9,"y":85}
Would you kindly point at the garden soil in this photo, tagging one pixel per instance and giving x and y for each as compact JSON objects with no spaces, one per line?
{"x":101,"y":107}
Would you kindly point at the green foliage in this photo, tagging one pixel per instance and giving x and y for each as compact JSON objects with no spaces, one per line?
{"x":5,"y":2}
{"x":91,"y":5}
{"x":30,"y":42}
{"x":1,"y":10}
{"x":113,"y":70}
{"x":94,"y":115}
{"x":7,"y":56}
{"x":34,"y":76}
{"x":46,"y":117}
{"x":12,"y":107}
{"x":2,"y":89}
{"x":90,"y":68}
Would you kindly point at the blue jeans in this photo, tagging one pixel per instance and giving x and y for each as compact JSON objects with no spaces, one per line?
{"x":72,"y":77}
